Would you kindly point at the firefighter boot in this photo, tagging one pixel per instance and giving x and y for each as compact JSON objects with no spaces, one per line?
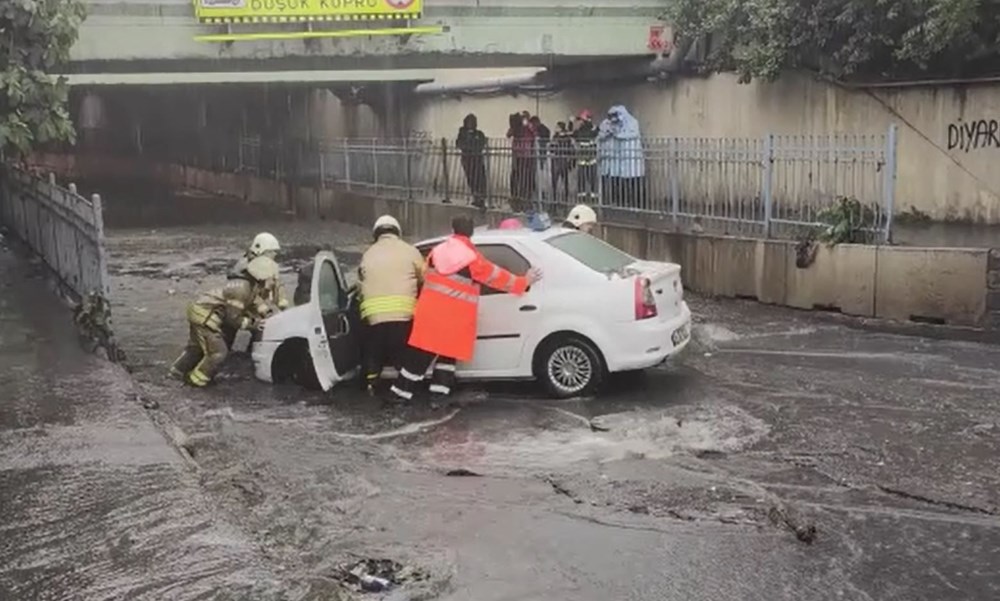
{"x":213,"y":345}
{"x":191,"y":356}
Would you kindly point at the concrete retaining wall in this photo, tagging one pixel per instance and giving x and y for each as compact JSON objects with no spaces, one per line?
{"x":953,"y":286}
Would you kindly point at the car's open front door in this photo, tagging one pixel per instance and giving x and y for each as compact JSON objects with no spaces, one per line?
{"x":333,"y":337}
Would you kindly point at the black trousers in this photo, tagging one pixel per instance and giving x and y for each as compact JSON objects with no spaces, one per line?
{"x":384,"y":344}
{"x":560,"y":172}
{"x":475,"y":176}
{"x":414,"y":369}
{"x":586,"y":181}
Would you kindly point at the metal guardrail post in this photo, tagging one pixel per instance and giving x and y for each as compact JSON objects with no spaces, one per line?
{"x":102,"y":257}
{"x":444,"y":166}
{"x":539,"y":174}
{"x":889,"y":186}
{"x":675,"y":192}
{"x":599,"y":180}
{"x":768,"y":180}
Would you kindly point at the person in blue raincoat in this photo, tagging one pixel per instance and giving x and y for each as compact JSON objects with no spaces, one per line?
{"x":621,"y":159}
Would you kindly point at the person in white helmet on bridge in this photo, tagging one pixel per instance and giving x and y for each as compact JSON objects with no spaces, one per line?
{"x":389,"y":277}
{"x":582,"y":218}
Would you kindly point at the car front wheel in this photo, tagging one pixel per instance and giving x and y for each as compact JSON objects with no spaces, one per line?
{"x":569,"y":366}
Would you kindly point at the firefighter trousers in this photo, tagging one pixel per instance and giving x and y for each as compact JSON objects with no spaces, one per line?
{"x":204,"y":354}
{"x":384,"y":344}
{"x":414,"y":369}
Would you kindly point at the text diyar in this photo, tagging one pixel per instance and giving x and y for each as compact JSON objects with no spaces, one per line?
{"x":973,"y":135}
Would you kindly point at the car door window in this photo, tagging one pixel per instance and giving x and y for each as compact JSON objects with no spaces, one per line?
{"x":331,"y":294}
{"x":506,"y":257}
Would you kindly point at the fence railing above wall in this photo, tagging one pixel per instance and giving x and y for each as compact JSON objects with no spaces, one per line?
{"x":775,"y":185}
{"x":66,"y":231}
{"x":772,"y":185}
{"x":62,"y":227}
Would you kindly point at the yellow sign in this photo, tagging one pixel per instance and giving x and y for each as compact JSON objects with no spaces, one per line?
{"x":277,"y":11}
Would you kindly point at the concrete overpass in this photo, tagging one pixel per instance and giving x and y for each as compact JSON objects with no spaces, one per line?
{"x":151,"y":39}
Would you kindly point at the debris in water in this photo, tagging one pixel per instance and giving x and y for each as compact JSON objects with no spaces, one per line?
{"x":462,"y":472}
{"x":377,"y":575}
{"x":373,"y":584}
{"x":804,"y":532}
{"x":596,"y":425}
{"x":983,"y":429}
{"x":562,"y":490}
{"x":710,"y":454}
{"x":147,"y":403}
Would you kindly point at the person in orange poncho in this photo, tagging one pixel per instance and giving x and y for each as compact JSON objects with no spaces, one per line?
{"x":444,"y":320}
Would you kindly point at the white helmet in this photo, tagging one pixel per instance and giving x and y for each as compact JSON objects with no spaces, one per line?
{"x":262,"y":268}
{"x":263,"y":243}
{"x":582,"y":215}
{"x":385,"y":222}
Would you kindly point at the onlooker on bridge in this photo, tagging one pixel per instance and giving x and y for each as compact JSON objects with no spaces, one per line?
{"x":621,"y":159}
{"x":585,"y":139}
{"x":563,"y":162}
{"x":522,"y":171}
{"x":543,"y":136}
{"x":471,"y":141}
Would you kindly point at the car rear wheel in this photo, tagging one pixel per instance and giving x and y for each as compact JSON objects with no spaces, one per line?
{"x":569,"y":366}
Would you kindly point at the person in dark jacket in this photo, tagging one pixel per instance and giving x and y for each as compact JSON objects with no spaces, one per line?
{"x":563,"y":160}
{"x":471,"y":142}
{"x":522,"y":172}
{"x":585,"y":138}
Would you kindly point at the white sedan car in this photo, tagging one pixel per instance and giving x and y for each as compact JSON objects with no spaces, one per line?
{"x":597,"y":310}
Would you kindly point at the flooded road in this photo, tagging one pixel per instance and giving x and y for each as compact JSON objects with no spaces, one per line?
{"x":783,"y":458}
{"x":94,"y":504}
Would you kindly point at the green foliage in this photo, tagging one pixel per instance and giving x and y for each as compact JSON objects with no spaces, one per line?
{"x":847,"y":222}
{"x":844,"y":39}
{"x":35,"y":37}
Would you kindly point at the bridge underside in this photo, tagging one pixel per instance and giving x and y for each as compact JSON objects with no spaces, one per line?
{"x":159,"y":36}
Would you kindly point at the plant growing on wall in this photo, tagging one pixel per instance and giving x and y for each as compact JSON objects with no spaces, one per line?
{"x":843,"y":39}
{"x":35,"y":37}
{"x":848,"y":221}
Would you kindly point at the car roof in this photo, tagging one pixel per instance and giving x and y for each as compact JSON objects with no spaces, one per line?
{"x":485,"y":236}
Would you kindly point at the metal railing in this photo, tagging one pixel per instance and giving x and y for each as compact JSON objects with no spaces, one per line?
{"x":776,"y":185}
{"x":66,"y":231}
{"x":63,"y":228}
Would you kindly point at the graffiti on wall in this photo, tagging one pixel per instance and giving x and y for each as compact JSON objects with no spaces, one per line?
{"x":974,"y":135}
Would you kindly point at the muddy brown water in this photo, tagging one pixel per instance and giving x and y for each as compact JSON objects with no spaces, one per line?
{"x":684,"y":482}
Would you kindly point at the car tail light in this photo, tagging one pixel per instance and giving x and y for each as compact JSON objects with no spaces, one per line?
{"x":645,"y":304}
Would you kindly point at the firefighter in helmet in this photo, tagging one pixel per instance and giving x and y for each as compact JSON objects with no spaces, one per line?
{"x":239,"y":305}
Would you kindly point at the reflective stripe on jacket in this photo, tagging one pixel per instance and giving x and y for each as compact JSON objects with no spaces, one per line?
{"x":444,"y":321}
{"x":588,"y":152}
{"x":390,"y":272}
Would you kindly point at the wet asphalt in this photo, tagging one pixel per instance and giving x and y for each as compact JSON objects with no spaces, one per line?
{"x":784,"y":457}
{"x":94,"y":503}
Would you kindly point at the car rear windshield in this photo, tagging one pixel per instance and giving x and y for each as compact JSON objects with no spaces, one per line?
{"x":592,"y":252}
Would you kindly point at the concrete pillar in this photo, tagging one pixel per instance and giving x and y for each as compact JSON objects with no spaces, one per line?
{"x":92,"y":120}
{"x":391,"y":102}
